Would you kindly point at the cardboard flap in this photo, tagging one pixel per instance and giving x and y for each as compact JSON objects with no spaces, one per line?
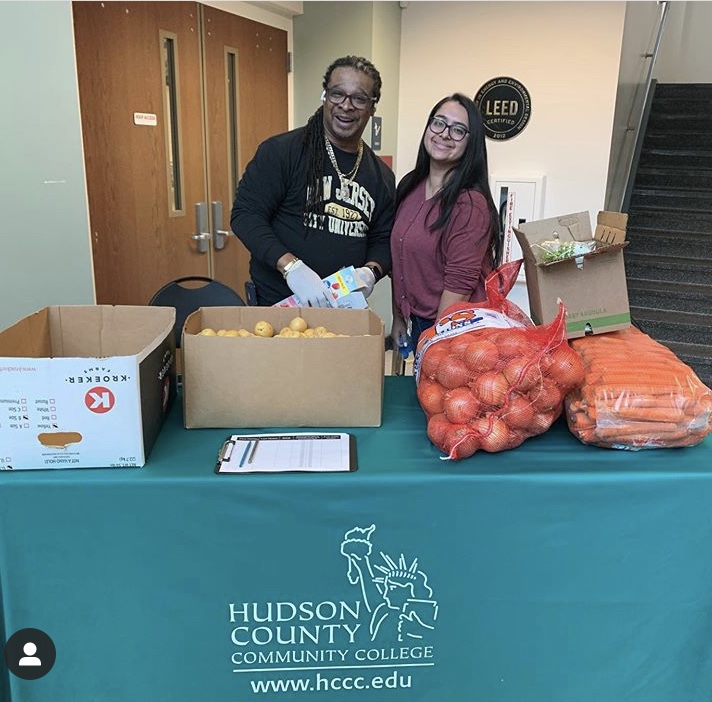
{"x":573,"y":228}
{"x":28,"y":338}
{"x":88,"y":331}
{"x":108,"y":330}
{"x":611,"y":227}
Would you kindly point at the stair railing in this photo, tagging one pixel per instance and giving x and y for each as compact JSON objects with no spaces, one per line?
{"x":643,"y":111}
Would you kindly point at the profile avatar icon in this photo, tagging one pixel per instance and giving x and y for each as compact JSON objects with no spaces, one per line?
{"x":30,"y":654}
{"x":29,"y":658}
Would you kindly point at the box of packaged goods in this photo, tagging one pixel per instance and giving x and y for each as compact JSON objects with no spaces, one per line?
{"x":343,"y":288}
{"x":282,"y":367}
{"x":85,"y":386}
{"x":564,"y":260}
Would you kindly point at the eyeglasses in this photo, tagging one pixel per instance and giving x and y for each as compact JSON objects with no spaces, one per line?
{"x":336,"y":96}
{"x":457,"y":132}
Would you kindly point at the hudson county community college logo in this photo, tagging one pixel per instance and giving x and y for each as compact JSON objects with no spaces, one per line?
{"x":377,"y":632}
{"x":395,"y":592}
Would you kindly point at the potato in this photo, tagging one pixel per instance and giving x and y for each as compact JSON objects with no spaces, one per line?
{"x":298,"y":324}
{"x":264,"y":329}
{"x":207,"y":332}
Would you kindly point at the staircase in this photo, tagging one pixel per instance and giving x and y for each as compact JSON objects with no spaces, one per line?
{"x":669,"y":258}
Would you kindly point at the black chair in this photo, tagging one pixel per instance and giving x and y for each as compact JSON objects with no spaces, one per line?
{"x":187,"y":299}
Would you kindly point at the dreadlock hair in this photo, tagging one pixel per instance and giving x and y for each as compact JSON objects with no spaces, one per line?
{"x":470,"y":173}
{"x":314,"y":131}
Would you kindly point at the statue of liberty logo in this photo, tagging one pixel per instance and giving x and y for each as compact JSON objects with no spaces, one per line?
{"x":394,"y":591}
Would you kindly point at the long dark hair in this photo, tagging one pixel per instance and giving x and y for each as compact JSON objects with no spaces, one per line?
{"x":470,"y":173}
{"x":314,"y":131}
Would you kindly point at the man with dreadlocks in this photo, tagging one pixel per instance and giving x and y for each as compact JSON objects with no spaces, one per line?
{"x":316,"y":199}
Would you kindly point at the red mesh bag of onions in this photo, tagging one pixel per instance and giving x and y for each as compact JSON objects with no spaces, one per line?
{"x":488,"y":378}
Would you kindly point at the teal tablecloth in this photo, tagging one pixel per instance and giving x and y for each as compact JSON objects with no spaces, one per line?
{"x":552,"y":573}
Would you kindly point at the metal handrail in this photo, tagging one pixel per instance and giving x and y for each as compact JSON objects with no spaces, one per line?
{"x":644,"y":105}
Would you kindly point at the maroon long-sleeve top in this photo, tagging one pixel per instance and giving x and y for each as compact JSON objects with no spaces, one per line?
{"x":425,"y":263}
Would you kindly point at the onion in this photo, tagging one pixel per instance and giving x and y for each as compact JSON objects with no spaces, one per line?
{"x":438,"y":426}
{"x":432,"y":358}
{"x":459,"y":343}
{"x":522,"y":372}
{"x":461,"y":405}
{"x":431,"y":396}
{"x":513,"y":342}
{"x":564,"y":365}
{"x":541,"y":422}
{"x":481,"y":355}
{"x":461,"y":442}
{"x":491,"y":388}
{"x":519,"y":412}
{"x":452,"y":372}
{"x":547,"y":397}
{"x":493,"y":433}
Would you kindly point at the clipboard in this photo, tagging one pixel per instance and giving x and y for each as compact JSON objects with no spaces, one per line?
{"x":294,"y":452}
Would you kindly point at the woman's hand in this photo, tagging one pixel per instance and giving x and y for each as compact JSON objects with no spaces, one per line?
{"x":399,"y":331}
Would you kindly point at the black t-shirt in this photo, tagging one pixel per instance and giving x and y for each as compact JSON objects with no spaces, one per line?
{"x":268,"y":213}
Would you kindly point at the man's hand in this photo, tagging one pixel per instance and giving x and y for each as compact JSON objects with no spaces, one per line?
{"x":307,"y":286}
{"x":366,"y":279}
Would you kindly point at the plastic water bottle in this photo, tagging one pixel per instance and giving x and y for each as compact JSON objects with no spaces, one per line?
{"x":405,"y":345}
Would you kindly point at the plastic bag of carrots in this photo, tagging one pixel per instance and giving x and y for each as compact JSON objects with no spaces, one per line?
{"x":487,"y":377}
{"x":636,"y":394}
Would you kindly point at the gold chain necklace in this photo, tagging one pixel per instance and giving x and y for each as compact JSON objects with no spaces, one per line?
{"x":345,"y":178}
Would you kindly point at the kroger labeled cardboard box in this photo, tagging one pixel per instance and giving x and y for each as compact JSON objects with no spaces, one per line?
{"x":283,"y":382}
{"x":564,"y":260}
{"x":85,"y":386}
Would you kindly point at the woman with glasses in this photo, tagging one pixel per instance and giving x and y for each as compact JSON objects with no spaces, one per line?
{"x":446,"y":236}
{"x":317,"y":199}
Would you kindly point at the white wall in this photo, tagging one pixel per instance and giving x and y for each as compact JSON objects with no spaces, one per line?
{"x":686,"y":49}
{"x":46,"y":256}
{"x":565,"y":53}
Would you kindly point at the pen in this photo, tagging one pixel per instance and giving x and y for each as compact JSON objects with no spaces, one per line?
{"x":244,"y":453}
{"x":253,"y":451}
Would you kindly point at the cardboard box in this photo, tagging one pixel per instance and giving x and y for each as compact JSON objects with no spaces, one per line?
{"x":85,"y":386}
{"x":592,"y":284}
{"x":281,"y":382}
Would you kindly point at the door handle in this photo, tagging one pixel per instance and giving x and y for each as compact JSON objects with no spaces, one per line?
{"x":201,"y":236}
{"x":218,"y":234}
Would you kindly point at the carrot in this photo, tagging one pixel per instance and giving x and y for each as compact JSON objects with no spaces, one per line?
{"x":636,"y":393}
{"x":637,"y":362}
{"x":671,"y":401}
{"x":581,"y":421}
{"x":611,"y":393}
{"x":645,"y":414}
{"x":650,"y":429}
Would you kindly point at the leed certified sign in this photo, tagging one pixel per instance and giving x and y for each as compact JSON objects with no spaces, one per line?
{"x":505,"y":106}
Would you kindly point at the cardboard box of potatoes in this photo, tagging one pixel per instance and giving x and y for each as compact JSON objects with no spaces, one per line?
{"x":282,"y":367}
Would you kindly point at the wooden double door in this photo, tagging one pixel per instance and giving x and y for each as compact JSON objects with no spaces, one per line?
{"x":175,"y":98}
